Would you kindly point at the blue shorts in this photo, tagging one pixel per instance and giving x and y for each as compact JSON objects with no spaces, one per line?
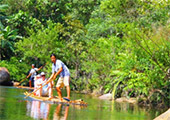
{"x":31,"y":79}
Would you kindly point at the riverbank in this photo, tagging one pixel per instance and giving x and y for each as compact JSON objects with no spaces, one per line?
{"x":140,"y":101}
{"x":164,"y":116}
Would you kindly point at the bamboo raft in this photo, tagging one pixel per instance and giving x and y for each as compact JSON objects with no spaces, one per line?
{"x":55,"y":99}
{"x":25,"y":87}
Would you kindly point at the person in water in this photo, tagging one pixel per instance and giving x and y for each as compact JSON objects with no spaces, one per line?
{"x":59,"y":68}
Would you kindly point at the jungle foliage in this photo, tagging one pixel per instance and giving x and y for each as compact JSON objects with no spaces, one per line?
{"x":118,"y":46}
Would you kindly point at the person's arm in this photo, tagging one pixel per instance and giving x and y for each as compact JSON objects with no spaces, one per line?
{"x":57,"y":73}
{"x":39,"y":68}
{"x":51,"y":77}
{"x":32,"y":71}
{"x":28,"y":75}
{"x":54,"y":75}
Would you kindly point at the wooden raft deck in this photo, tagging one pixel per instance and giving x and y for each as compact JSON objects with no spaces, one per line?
{"x":57,"y":100}
{"x":25,"y":87}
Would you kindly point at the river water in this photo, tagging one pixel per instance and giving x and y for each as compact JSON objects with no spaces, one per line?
{"x":13,"y":106}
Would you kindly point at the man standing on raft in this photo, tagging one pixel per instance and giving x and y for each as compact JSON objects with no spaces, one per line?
{"x":59,"y":68}
{"x":32,"y":73}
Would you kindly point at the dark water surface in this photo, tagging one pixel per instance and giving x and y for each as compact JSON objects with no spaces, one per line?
{"x":13,"y":106}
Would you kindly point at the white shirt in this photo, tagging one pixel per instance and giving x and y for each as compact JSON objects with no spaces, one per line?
{"x":33,"y":72}
{"x":58,"y":65}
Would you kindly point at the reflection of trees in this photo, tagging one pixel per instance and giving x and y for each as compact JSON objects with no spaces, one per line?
{"x":2,"y":99}
{"x":130,"y":108}
{"x":120,"y":107}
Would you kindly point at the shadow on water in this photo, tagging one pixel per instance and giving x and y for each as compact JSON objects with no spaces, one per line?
{"x":13,"y":106}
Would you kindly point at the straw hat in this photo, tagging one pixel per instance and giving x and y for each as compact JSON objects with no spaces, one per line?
{"x":42,"y":73}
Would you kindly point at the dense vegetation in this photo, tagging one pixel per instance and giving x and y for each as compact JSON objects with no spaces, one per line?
{"x":118,"y":46}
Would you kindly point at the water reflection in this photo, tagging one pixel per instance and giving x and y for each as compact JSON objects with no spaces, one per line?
{"x":14,"y":106}
{"x":60,"y":114}
{"x":40,"y":110}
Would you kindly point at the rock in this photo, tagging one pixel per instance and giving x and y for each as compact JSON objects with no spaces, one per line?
{"x":4,"y":76}
{"x":85,"y":92}
{"x":96,"y":93}
{"x":164,"y":116}
{"x":107,"y":96}
{"x":128,"y":100}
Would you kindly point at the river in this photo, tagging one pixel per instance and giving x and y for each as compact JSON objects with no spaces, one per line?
{"x":13,"y":106}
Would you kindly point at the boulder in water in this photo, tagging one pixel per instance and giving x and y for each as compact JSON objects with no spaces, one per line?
{"x":4,"y":76}
{"x":127,"y":100}
{"x":107,"y":96}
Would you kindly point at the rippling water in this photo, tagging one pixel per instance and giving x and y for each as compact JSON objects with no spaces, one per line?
{"x":13,"y":106}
